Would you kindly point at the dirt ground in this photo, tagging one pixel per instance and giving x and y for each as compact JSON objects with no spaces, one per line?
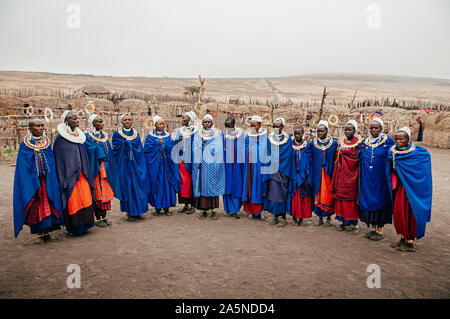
{"x":181,"y":256}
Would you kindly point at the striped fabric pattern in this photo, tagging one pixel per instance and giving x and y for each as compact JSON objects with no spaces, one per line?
{"x":81,"y":196}
{"x":103,"y":192}
{"x":44,"y":207}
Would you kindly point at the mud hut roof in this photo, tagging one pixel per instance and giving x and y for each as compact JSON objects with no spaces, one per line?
{"x":93,"y":89}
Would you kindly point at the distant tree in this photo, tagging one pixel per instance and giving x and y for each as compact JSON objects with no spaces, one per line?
{"x":192,"y":91}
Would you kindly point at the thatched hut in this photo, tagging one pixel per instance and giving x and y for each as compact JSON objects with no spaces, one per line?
{"x":94,"y":91}
{"x":437,"y":129}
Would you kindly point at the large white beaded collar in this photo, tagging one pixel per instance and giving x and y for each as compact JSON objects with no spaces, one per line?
{"x":186,"y":132}
{"x":261,"y":132}
{"x":74,"y":137}
{"x":209,"y":136}
{"x":299,"y":147}
{"x":236,"y":134}
{"x":283,"y":140}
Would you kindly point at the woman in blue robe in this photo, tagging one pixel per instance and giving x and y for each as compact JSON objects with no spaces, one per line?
{"x":301,"y":192}
{"x":183,"y":143}
{"x":279,"y":184}
{"x":36,"y":194}
{"x":323,"y":150}
{"x":255,"y":175}
{"x":410,"y":185}
{"x":374,"y":203}
{"x":233,"y":141}
{"x":163,"y":175}
{"x":131,"y":164}
{"x":102,"y":163}
{"x":74,"y":175}
{"x":208,"y":169}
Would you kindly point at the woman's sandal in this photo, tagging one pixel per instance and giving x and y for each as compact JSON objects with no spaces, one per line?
{"x":401,"y":243}
{"x":370,"y":233}
{"x":376,"y":237}
{"x":409,"y":247}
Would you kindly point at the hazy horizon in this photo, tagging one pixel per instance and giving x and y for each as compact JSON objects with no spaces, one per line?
{"x":226,"y":39}
{"x":236,"y":77}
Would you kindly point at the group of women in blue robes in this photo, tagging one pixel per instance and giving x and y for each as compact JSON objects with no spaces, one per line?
{"x":74,"y":184}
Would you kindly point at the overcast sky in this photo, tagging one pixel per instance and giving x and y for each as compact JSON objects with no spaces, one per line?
{"x":226,"y":38}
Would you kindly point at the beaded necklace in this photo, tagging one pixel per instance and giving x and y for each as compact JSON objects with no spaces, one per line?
{"x":343,"y":144}
{"x":298,"y":147}
{"x":375,"y":142}
{"x":186,"y":132}
{"x":259,"y":133}
{"x":284,"y":138}
{"x":99,"y":138}
{"x":236,"y":134}
{"x":76,"y":136}
{"x":159,"y":136}
{"x":323,"y":147}
{"x":129,"y":138}
{"x":395,"y":151}
{"x":210,"y":136}
{"x":39,"y":143}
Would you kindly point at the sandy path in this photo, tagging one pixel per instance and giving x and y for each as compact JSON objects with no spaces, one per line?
{"x":184,"y":257}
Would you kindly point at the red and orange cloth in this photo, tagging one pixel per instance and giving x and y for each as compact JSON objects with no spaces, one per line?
{"x":39,"y":206}
{"x":186,"y":190}
{"x":103,"y":192}
{"x":81,"y":196}
{"x":345,"y":180}
{"x":324,"y":198}
{"x":404,"y":220}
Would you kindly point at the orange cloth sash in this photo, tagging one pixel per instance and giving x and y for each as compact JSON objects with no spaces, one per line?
{"x":81,"y":196}
{"x":324,"y":197}
{"x":102,"y":190}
